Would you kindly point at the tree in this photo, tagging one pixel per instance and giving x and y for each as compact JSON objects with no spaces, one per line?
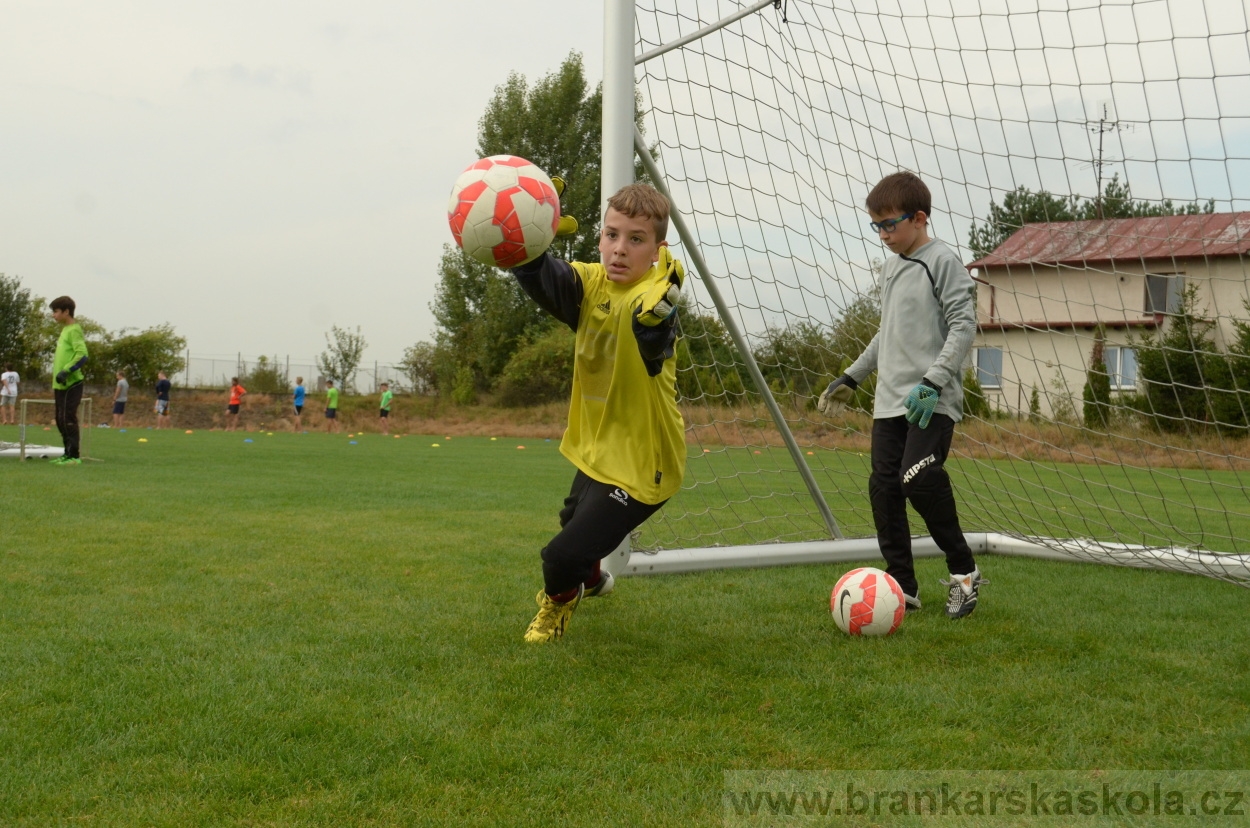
{"x":482,"y":315}
{"x":420,"y":366}
{"x":343,"y":357}
{"x":707,"y":361}
{"x":140,"y":355}
{"x":267,"y":377}
{"x":1097,"y":391}
{"x":1024,"y":206}
{"x":27,"y":337}
{"x":1172,"y":366}
{"x":540,"y":371}
{"x":797,"y":359}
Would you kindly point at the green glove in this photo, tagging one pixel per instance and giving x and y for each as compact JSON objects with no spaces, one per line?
{"x":836,"y":396}
{"x":661,"y":300}
{"x":921,"y":403}
{"x":568,"y":224}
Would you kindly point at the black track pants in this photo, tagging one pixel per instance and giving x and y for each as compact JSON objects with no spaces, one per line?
{"x":67,"y":401}
{"x":908,"y":464}
{"x":595,"y":519}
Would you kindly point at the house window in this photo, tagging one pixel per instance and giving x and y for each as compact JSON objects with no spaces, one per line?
{"x":1121,"y":367}
{"x":990,"y":367}
{"x":1163,"y":292}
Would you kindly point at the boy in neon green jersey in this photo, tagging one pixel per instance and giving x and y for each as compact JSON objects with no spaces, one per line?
{"x":332,"y":408}
{"x":67,"y":377}
{"x":384,"y":408}
{"x":625,"y":434}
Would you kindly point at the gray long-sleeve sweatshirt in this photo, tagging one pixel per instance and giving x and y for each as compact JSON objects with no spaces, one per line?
{"x":928,"y":321}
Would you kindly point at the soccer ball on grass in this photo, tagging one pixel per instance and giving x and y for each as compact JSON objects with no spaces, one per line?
{"x":867,"y":601}
{"x":503,"y":211}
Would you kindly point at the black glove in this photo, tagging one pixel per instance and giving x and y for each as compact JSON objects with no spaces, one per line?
{"x":62,"y":376}
{"x":836,"y":396}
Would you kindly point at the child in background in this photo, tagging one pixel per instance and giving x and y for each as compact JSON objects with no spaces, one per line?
{"x":298,"y":402}
{"x":332,"y":408}
{"x":237,"y":393}
{"x":384,"y":409}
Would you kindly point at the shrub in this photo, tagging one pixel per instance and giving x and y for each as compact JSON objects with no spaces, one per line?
{"x":540,"y":371}
{"x":1097,"y":391}
{"x":975,"y":404}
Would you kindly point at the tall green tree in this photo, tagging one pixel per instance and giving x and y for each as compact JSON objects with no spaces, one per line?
{"x":1024,"y":206}
{"x":24,"y":329}
{"x":481,"y":315}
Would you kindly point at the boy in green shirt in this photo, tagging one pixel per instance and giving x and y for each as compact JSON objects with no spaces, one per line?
{"x":384,"y":411}
{"x":332,"y":408}
{"x":67,"y":377}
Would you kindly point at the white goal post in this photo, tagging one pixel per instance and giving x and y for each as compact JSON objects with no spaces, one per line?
{"x":766,"y":123}
{"x":25,"y":447}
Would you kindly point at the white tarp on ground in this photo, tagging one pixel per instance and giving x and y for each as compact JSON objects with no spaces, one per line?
{"x":15,"y":450}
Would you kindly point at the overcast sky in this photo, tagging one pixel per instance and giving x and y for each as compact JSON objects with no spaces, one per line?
{"x":253,"y":172}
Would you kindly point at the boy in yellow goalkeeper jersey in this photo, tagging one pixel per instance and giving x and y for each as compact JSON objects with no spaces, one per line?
{"x":625,"y":434}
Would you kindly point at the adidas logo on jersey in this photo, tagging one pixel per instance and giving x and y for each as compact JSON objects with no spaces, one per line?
{"x":605,"y":306}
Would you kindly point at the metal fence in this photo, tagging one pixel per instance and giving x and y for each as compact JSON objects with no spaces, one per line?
{"x":215,"y":371}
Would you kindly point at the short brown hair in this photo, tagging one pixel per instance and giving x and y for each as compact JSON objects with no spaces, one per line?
{"x":643,"y":201}
{"x":63,"y":303}
{"x":900,"y":191}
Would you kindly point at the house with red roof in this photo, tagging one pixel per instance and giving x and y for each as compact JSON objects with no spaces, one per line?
{"x":1043,"y":293}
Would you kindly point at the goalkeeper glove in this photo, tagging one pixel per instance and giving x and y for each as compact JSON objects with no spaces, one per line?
{"x":921,"y":403}
{"x":836,"y":396}
{"x":661,"y":300}
{"x":61,"y":376}
{"x":567,"y":225}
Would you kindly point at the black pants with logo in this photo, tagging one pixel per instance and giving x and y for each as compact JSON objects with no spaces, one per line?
{"x":595,"y":519}
{"x":908,"y":464}
{"x":67,"y":401}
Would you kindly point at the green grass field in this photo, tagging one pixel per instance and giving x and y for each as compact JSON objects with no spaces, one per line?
{"x":301,"y":631}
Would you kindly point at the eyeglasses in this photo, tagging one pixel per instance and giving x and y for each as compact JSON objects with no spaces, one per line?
{"x":889,"y":224}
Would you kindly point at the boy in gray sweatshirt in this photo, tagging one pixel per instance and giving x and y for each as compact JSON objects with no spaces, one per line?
{"x":928,"y":320}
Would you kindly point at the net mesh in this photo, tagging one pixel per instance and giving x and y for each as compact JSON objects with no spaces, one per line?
{"x":1092,"y":159}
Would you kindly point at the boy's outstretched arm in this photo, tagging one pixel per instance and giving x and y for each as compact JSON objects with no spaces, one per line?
{"x":554,"y":285}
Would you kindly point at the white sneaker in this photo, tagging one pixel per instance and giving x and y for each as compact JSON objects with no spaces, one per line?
{"x":606,"y":584}
{"x":912,"y":602}
{"x":961,"y":598}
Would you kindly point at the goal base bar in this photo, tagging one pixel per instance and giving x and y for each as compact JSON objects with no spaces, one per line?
{"x":1171,"y":558}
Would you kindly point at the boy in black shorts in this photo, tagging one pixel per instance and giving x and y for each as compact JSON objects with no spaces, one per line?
{"x":625,"y":435}
{"x":384,"y":410}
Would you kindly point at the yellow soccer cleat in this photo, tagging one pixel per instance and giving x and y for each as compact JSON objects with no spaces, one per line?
{"x":552,"y":618}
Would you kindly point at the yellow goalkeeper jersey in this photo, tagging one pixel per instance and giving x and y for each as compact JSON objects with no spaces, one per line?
{"x":624,"y":427}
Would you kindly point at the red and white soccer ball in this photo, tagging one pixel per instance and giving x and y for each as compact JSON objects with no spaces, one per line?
{"x":503,"y":211}
{"x":867,"y":601}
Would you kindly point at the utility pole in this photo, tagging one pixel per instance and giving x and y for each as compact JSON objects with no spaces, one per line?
{"x":1104,"y":126}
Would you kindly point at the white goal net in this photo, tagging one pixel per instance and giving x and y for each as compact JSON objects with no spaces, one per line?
{"x":1091,"y":160}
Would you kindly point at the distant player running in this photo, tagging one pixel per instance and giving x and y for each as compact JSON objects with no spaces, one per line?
{"x":625,"y":434}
